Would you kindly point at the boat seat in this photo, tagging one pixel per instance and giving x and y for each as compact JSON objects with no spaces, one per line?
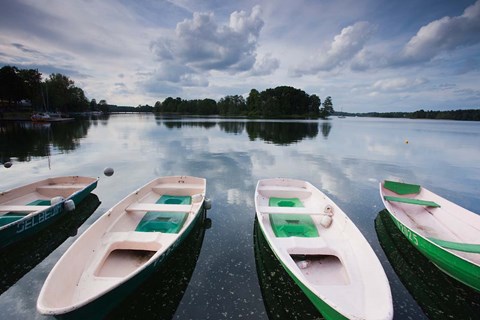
{"x":165,"y":222}
{"x":291,"y":225}
{"x":33,"y":206}
{"x":401,"y":188}
{"x":458,"y":246}
{"x":412,"y":201}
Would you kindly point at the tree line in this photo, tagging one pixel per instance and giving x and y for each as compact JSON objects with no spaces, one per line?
{"x":279,"y":102}
{"x":460,"y":114}
{"x":25,"y":87}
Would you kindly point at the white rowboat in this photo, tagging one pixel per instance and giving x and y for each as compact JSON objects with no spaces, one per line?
{"x":447,"y":234}
{"x":322,"y":250}
{"x":122,"y":248}
{"x":30,"y":208}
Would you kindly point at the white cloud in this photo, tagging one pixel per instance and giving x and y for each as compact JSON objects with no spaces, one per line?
{"x":445,"y":34}
{"x":203,"y":45}
{"x":341,"y":50}
{"x":265,"y":65}
{"x":398,"y":84}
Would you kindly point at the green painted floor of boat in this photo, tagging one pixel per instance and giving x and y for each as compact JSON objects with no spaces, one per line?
{"x":291,"y":225}
{"x":458,"y":246}
{"x":10,"y":217}
{"x":166,"y":222}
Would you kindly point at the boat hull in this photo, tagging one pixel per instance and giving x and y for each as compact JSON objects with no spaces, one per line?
{"x":33,"y":223}
{"x":453,"y":265}
{"x":325,"y":309}
{"x":100,"y":307}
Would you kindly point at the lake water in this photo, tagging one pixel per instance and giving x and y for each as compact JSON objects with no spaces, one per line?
{"x":226,"y":272}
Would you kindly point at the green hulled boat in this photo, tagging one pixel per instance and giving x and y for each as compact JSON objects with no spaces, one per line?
{"x":445,"y":233}
{"x":30,"y":208}
{"x":123,"y":247}
{"x":322,"y":251}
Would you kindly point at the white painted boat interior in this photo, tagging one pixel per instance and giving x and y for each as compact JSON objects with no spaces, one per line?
{"x":338,"y":263}
{"x":111,"y":251}
{"x":449,"y":222}
{"x":16,"y":200}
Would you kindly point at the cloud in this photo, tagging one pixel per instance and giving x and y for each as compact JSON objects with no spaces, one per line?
{"x":445,"y":34}
{"x":203,"y":45}
{"x":341,"y":50}
{"x":265,"y":65}
{"x":398,"y":84}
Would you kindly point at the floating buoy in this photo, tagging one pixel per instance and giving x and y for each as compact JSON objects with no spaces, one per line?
{"x":7,"y":164}
{"x":69,"y":205}
{"x":208,"y":204}
{"x":56,"y":200}
{"x":108,"y":171}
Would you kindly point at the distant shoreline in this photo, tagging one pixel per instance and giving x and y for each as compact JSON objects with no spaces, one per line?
{"x":458,"y":115}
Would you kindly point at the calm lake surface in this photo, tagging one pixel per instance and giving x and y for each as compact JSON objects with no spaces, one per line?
{"x":226,"y":271}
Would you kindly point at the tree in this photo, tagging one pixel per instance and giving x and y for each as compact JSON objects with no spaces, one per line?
{"x":57,"y":88}
{"x":254,"y":103}
{"x":10,"y":85}
{"x":93,"y":105}
{"x":314,"y":105}
{"x":31,"y":89}
{"x":103,"y":106}
{"x":327,"y":107}
{"x":231,"y":105}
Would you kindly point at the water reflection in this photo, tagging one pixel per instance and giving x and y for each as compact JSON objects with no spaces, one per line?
{"x":282,"y":133}
{"x":282,"y":298}
{"x":326,"y":127}
{"x":160,"y":295}
{"x":439,"y":296}
{"x":17,"y":260}
{"x":25,"y":140}
{"x":234,"y":127}
{"x":174,"y":124}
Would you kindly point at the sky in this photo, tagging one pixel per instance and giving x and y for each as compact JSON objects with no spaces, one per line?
{"x":368,"y":55}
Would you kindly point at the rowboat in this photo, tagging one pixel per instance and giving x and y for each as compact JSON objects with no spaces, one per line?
{"x":322,"y":250}
{"x":122,"y":248}
{"x":27,"y":209}
{"x":447,"y":234}
{"x":435,"y":292}
{"x":17,"y":260}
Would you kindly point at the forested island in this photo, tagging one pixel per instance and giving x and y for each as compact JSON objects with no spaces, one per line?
{"x":22,"y":91}
{"x":279,"y":102}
